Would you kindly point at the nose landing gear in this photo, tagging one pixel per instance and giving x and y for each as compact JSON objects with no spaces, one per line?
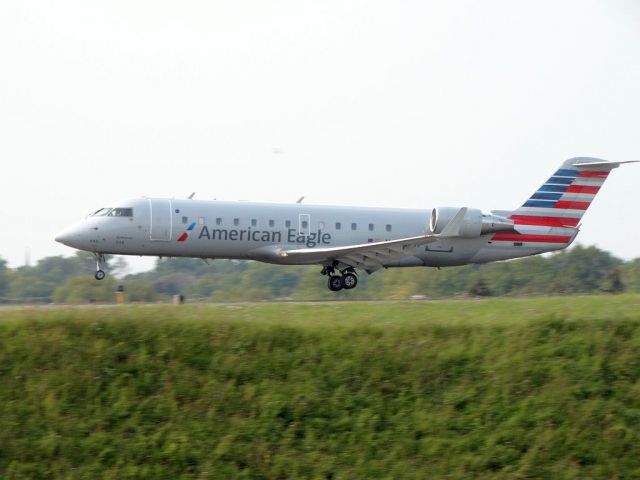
{"x":347,"y":280}
{"x":99,"y":275}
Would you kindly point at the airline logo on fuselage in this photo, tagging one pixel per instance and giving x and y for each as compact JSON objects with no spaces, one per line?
{"x":185,"y":234}
{"x":265,"y":236}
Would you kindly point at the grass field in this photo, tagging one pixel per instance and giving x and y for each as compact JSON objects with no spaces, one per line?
{"x":501,"y":389}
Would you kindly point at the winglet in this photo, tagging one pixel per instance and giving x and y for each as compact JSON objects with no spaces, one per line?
{"x":452,"y":229}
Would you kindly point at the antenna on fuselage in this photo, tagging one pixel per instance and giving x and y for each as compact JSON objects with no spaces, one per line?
{"x":300,"y":199}
{"x":190,"y":197}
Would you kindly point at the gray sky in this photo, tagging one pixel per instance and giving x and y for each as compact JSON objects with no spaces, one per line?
{"x":403,"y":104}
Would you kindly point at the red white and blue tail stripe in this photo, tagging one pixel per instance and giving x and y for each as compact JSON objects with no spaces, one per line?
{"x":552,"y":214}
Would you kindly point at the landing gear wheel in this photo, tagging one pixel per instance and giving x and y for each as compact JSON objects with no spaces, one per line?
{"x":349,"y":281}
{"x":99,"y":275}
{"x":335,"y":283}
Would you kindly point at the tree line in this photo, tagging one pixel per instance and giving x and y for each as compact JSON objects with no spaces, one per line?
{"x":579,"y":270}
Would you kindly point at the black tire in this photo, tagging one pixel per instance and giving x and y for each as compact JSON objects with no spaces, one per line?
{"x":100,"y":275}
{"x":349,"y":281}
{"x":335,"y":283}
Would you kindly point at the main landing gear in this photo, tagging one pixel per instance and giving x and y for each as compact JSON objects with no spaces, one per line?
{"x":99,"y":275}
{"x":347,"y":280}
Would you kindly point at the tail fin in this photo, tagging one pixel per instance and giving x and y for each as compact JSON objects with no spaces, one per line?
{"x":550,"y":217}
{"x":565,"y":197}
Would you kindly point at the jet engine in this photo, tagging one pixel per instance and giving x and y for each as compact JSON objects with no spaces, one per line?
{"x":475,"y":223}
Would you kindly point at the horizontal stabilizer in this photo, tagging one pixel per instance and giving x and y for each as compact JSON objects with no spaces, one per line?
{"x":600,"y":164}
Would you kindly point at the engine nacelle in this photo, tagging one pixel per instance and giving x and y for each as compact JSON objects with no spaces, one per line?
{"x":471,"y":226}
{"x":475,"y":223}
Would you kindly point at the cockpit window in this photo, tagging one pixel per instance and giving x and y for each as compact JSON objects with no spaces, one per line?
{"x":121,"y":212}
{"x":101,"y":213}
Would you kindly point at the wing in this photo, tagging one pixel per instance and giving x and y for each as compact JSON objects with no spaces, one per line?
{"x":372,"y":256}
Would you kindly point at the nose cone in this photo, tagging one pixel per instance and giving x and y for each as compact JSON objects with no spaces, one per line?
{"x":70,"y":237}
{"x":64,"y":237}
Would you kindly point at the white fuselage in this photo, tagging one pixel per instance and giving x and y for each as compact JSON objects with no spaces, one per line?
{"x":259,"y":231}
{"x":346,"y":239}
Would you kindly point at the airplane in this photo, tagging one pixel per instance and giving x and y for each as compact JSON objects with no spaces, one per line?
{"x":342,"y":240}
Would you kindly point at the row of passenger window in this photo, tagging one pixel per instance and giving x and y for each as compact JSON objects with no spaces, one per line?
{"x":304,"y":224}
{"x":354,"y":226}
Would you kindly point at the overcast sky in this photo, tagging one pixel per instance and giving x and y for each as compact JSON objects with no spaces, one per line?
{"x":398,"y":103}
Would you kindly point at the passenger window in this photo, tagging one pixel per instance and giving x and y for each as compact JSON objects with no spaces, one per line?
{"x":320,"y":225}
{"x":287,"y":223}
{"x":272,"y":223}
{"x":200,"y":220}
{"x":254,"y":222}
{"x":185,"y":220}
{"x":388,"y":228}
{"x":236,"y":221}
{"x":305,"y":224}
{"x":354,"y":226}
{"x":371,"y":227}
{"x":218,"y":221}
{"x":338,"y":225}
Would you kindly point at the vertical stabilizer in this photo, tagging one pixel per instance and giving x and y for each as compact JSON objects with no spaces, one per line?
{"x":550,"y":217}
{"x":565,"y":197}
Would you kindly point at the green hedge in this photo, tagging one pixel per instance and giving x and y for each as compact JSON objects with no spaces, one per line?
{"x":542,"y":388}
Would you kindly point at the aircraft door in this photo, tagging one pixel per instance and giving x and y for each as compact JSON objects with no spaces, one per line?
{"x":161,"y":219}
{"x":304,"y":224}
